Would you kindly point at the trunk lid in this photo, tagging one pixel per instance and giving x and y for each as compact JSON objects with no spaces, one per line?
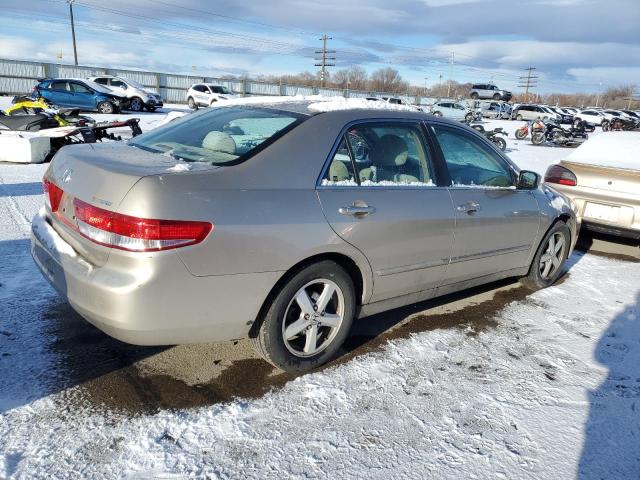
{"x":607,"y":179}
{"x":102,"y":175}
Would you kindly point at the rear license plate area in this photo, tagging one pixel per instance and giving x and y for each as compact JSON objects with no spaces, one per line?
{"x":597,"y":211}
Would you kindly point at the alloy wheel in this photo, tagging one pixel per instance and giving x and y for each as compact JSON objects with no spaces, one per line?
{"x":553,"y":256}
{"x":313,"y":318}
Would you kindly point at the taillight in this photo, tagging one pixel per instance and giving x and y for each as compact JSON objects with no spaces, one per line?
{"x":136,"y":234}
{"x":560,"y":175}
{"x":52,"y":194}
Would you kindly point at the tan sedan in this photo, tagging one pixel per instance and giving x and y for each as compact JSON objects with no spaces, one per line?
{"x":602,"y":178}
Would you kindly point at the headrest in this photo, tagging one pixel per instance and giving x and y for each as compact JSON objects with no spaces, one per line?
{"x":391,"y":151}
{"x":219,"y":142}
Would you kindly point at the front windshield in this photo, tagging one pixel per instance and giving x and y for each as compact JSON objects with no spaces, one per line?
{"x":218,"y":136}
{"x":97,"y":87}
{"x":134,"y":84}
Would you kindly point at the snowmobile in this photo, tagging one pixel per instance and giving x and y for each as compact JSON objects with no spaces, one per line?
{"x":32,"y":132}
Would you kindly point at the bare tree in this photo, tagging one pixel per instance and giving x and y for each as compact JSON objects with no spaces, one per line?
{"x":388,"y":80}
{"x":354,"y":77}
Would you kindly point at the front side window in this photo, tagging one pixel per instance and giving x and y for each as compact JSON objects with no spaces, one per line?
{"x":383,"y":154}
{"x":77,"y":88}
{"x":470,"y":162}
{"x":218,"y":136}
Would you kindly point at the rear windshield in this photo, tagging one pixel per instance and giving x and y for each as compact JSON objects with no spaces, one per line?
{"x":219,"y":136}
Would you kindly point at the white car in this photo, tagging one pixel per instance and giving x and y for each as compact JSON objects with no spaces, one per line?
{"x":139,"y":96}
{"x":453,"y":110}
{"x":594,"y":116}
{"x":206,"y":94}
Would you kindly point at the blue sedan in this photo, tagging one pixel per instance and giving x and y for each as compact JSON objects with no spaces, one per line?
{"x":81,"y":94}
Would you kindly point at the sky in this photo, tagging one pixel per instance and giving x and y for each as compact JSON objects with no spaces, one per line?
{"x":575,"y":45}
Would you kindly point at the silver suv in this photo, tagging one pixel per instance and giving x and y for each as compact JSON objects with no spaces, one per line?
{"x":487,"y":90}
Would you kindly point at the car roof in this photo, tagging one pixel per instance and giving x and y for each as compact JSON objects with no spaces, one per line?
{"x":342,"y":109}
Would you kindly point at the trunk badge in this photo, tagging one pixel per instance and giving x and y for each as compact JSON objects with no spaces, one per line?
{"x":66,"y":176}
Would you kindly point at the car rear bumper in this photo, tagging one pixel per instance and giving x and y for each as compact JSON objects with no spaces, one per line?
{"x":610,"y":229}
{"x":156,"y":303}
{"x":154,"y":103}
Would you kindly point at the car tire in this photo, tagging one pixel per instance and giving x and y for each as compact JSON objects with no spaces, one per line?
{"x":468,"y":118}
{"x":519,"y":117}
{"x":536,"y":279}
{"x":136,"y":104}
{"x":192,"y":103}
{"x":302,"y":320}
{"x":106,"y":108}
{"x":474,"y":95}
{"x":496,"y":96}
{"x":212,"y":102}
{"x":437,"y":113}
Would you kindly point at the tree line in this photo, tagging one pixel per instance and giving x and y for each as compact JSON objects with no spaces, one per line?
{"x":389,"y":80}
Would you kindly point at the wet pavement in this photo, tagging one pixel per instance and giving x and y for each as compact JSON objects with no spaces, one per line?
{"x":92,"y":371}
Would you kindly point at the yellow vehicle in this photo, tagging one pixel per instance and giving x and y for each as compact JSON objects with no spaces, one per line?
{"x":23,"y":105}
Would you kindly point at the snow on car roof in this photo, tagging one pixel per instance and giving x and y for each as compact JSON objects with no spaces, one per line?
{"x":312,"y":104}
{"x":611,"y":149}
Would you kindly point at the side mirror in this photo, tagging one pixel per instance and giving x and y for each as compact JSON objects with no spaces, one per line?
{"x":528,"y":180}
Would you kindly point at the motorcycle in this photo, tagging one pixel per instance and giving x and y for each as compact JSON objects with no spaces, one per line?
{"x":534,"y":126}
{"x":618,"y":123}
{"x":493,"y":136}
{"x":554,"y":134}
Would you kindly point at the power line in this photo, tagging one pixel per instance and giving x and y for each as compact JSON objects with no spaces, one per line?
{"x":325,"y":59}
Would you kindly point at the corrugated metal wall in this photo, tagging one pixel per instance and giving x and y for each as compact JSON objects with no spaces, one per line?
{"x":18,"y":77}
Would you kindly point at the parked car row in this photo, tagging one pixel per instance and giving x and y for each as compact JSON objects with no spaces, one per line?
{"x":111,"y":94}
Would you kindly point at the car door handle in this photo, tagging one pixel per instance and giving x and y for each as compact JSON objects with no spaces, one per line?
{"x":357,"y":210}
{"x":469,"y":207}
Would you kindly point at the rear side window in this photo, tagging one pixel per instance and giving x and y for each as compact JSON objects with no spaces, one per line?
{"x":469,"y":161}
{"x":381,"y":155}
{"x":102,"y":81}
{"x":219,"y":136}
{"x":58,"y":86}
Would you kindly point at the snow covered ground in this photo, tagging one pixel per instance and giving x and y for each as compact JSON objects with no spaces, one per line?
{"x":505,"y":385}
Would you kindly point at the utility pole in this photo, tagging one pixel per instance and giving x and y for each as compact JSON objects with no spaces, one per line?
{"x":599,"y":92}
{"x":450,"y":74}
{"x":425,"y":85}
{"x":73,"y":31}
{"x":528,"y":82}
{"x":325,"y":59}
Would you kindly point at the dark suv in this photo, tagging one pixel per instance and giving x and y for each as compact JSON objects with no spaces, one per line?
{"x":487,"y":90}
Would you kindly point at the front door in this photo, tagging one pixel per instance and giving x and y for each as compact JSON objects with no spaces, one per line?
{"x":496,"y":224}
{"x":379,"y":194}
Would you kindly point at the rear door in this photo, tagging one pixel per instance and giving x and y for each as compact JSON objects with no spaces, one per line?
{"x":379,"y":193}
{"x":58,"y":93}
{"x":496,"y":224}
{"x":83,"y":97}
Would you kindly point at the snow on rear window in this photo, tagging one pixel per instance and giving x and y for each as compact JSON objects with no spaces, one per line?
{"x":611,"y":149}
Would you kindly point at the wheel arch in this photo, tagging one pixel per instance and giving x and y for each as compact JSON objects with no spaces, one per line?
{"x":345,"y":261}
